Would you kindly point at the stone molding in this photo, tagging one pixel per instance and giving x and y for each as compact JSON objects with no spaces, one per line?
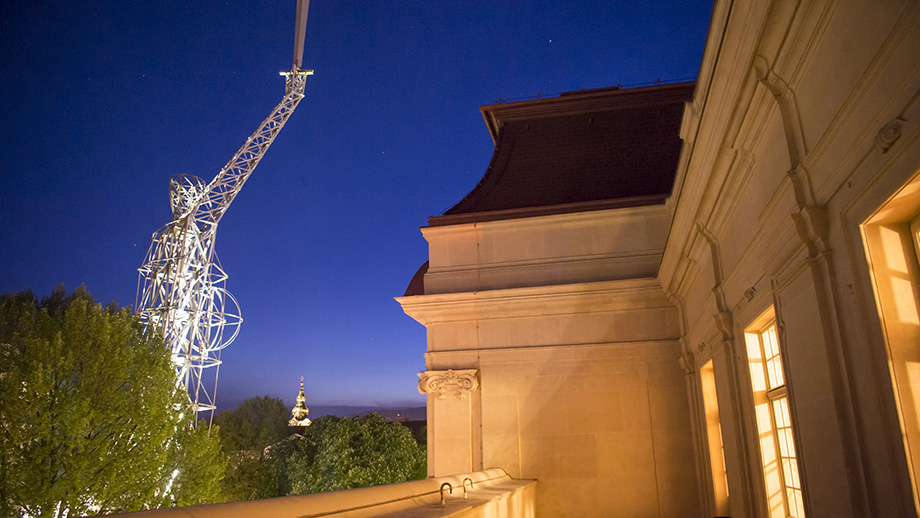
{"x":450,"y":383}
{"x":619,"y":295}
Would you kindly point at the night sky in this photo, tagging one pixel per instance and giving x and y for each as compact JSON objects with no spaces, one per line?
{"x":101,"y":102}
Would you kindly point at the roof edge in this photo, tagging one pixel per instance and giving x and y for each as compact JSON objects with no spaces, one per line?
{"x":549,"y":210}
{"x":583,"y":101}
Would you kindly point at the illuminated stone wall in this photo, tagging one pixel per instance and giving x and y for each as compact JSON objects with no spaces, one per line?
{"x":803,"y":126}
{"x":575,"y":383}
{"x":633,"y":387}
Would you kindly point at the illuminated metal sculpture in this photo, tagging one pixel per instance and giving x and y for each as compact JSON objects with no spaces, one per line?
{"x":181,"y":292}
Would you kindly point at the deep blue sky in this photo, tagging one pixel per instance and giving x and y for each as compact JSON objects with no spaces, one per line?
{"x":101,"y":102}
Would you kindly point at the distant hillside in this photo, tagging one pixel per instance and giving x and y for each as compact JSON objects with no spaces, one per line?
{"x":413,"y":414}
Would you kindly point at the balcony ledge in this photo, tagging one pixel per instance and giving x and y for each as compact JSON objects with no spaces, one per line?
{"x":494,"y":493}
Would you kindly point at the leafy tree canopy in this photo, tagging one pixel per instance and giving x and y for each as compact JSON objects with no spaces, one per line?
{"x":255,"y":423}
{"x":88,"y":413}
{"x":245,"y":432}
{"x":345,"y":453}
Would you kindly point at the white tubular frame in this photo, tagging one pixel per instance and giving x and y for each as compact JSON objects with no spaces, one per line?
{"x":181,"y":294}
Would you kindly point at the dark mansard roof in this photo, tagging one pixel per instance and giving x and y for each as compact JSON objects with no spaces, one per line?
{"x":580,"y":151}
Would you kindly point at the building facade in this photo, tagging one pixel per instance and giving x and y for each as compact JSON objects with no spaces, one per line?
{"x":713,"y":312}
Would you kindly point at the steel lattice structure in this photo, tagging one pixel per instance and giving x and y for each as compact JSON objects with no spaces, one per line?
{"x":181,"y":293}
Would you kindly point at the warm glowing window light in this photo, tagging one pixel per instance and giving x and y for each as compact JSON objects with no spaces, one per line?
{"x":781,"y":470}
{"x":891,"y":237}
{"x":714,"y":434}
{"x":915,"y":235}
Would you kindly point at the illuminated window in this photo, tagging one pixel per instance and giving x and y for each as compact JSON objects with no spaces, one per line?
{"x":915,"y":235}
{"x":714,"y":433}
{"x":777,"y":448}
{"x":892,"y":244}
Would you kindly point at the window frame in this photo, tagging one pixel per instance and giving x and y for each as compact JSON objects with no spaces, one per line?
{"x":890,"y":236}
{"x":764,"y":335}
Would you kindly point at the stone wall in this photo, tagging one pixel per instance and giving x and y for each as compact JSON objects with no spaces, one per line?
{"x":803,"y":126}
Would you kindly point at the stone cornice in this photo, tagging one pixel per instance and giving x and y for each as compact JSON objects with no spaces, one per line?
{"x":542,"y":220}
{"x":726,"y":84}
{"x":620,"y":295}
{"x":547,"y":210}
{"x":601,"y":352}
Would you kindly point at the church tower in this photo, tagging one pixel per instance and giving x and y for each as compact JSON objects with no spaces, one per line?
{"x":300,"y":410}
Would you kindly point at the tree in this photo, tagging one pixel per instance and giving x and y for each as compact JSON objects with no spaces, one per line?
{"x":245,"y":432}
{"x":277,"y":463}
{"x":257,"y":422}
{"x":91,"y":420}
{"x":354,"y":452}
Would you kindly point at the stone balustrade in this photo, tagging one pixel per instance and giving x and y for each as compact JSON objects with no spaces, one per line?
{"x":492,"y":493}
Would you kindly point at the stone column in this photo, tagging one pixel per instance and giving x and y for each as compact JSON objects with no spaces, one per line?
{"x":453,"y":430}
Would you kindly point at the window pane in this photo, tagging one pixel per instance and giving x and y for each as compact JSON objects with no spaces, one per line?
{"x":787,"y":474}
{"x":783,"y":444}
{"x":781,"y":412}
{"x":769,"y":338}
{"x":787,"y":433}
{"x":772,"y":356}
{"x":794,"y":466}
{"x":774,"y":377}
{"x":794,"y":499}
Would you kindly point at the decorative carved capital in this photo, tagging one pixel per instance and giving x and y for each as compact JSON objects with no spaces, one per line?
{"x":456,"y":384}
